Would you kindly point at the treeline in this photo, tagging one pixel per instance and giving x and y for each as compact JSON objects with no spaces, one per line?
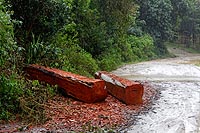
{"x":83,"y":36}
{"x":77,"y":35}
{"x":170,"y":20}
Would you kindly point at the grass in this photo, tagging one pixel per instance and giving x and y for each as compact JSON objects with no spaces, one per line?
{"x":183,"y":47}
{"x":198,"y":64}
{"x":189,"y":50}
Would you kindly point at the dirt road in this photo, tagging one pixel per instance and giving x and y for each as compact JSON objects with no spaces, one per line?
{"x":178,"y":80}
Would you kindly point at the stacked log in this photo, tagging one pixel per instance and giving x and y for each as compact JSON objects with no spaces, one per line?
{"x":125,"y":90}
{"x":85,"y":89}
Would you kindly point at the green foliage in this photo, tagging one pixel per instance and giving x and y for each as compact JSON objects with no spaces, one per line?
{"x":80,"y":36}
{"x":180,"y":9}
{"x":117,"y":15}
{"x":91,"y":31}
{"x":7,"y":44}
{"x":24,"y":97}
{"x":39,"y":17}
{"x":10,"y":91}
{"x":124,"y":49}
{"x":161,"y":49}
{"x":142,"y":47}
{"x":32,"y":102}
{"x":186,"y":21}
{"x":35,"y":51}
{"x":157,"y":17}
{"x":70,"y":56}
{"x":189,"y":25}
{"x":80,"y":61}
{"x":110,"y":59}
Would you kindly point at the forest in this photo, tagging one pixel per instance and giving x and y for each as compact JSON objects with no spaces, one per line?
{"x":83,"y":36}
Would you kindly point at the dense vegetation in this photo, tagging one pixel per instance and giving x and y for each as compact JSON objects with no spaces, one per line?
{"x":83,"y":36}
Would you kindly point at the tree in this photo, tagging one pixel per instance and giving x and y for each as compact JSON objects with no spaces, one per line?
{"x":157,"y":17}
{"x":39,"y":21}
{"x":190,"y":23}
{"x":90,"y":31}
{"x":117,"y":16}
{"x":39,"y":17}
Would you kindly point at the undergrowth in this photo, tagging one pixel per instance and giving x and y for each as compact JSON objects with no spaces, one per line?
{"x":10,"y":91}
{"x":23,"y":97}
{"x":33,"y":101}
{"x":79,"y":42}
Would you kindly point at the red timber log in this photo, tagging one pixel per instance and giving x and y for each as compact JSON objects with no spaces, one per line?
{"x":127,"y":91}
{"x":85,"y":89}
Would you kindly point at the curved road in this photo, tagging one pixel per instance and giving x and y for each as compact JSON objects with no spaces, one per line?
{"x":178,"y":81}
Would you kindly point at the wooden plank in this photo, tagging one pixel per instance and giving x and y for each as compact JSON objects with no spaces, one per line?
{"x":127,"y":91}
{"x":85,"y":89}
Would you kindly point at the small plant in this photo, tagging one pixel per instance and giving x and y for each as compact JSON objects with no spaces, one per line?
{"x":35,"y":50}
{"x":88,"y":128}
{"x":142,"y":47}
{"x":24,"y":97}
{"x":10,"y":91}
{"x":32,"y":102}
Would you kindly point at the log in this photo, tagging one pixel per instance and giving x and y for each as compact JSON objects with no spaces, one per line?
{"x":82,"y":88}
{"x":127,"y":91}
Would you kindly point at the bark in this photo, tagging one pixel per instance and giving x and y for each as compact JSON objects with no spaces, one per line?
{"x":85,"y":89}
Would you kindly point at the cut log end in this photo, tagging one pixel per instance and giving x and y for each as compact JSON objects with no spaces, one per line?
{"x":127,"y":91}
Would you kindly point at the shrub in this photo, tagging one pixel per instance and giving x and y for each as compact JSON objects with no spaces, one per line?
{"x":7,"y":43}
{"x":10,"y":91}
{"x":161,"y":49}
{"x":142,"y":47}
{"x":25,"y":97}
{"x":70,"y":56}
{"x":32,"y":102}
{"x":125,"y":49}
{"x":10,"y":87}
{"x":35,"y":51}
{"x":110,"y":59}
{"x":81,"y":62}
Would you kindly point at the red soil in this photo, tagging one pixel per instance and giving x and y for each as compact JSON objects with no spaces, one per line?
{"x":71,"y":115}
{"x":67,"y":114}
